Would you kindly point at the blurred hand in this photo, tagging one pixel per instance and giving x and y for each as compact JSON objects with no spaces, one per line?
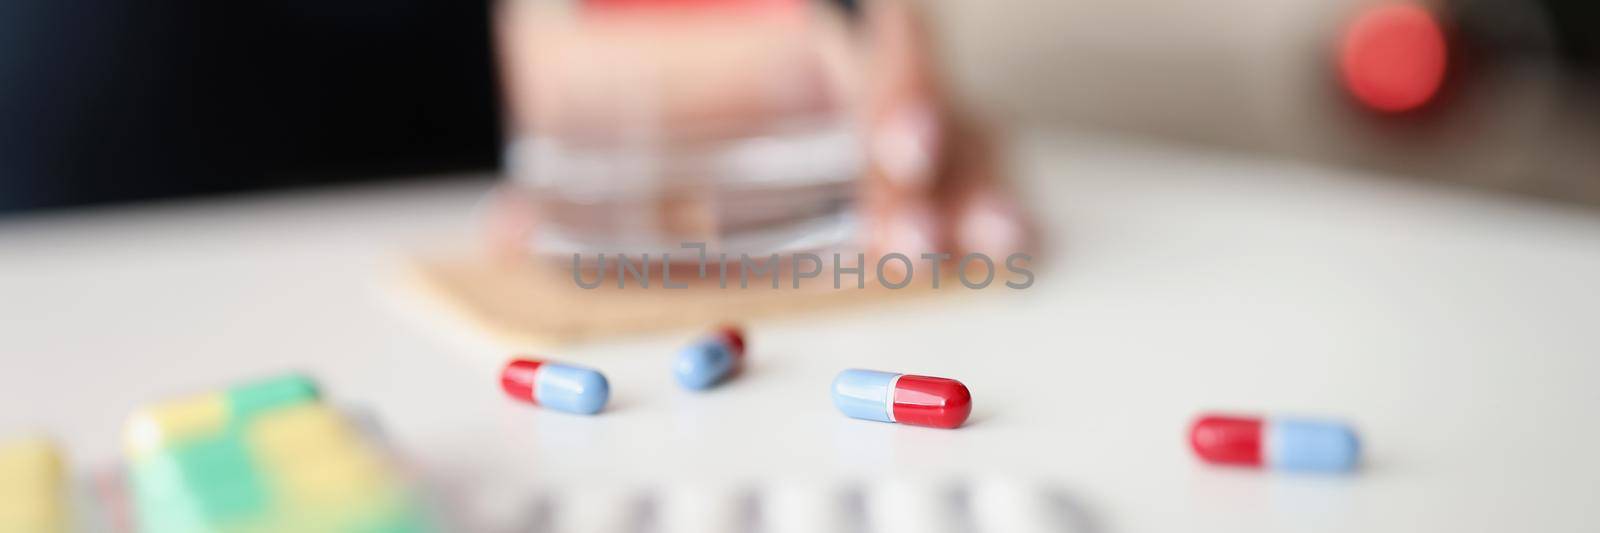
{"x":934,"y":182}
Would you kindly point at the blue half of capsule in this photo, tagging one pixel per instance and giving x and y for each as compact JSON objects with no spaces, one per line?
{"x":865,"y":394}
{"x":571,"y":388}
{"x":1311,"y":445}
{"x":703,"y":364}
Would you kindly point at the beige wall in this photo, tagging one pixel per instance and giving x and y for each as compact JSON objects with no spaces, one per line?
{"x":1257,"y":75}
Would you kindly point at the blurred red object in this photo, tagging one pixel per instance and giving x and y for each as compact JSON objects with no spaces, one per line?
{"x":1393,"y":57}
{"x":1227,"y":440}
{"x":930,"y":401}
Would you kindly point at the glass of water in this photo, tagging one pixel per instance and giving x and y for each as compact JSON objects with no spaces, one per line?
{"x":636,"y":127}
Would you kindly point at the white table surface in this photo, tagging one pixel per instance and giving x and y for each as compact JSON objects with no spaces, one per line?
{"x":1459,"y":331}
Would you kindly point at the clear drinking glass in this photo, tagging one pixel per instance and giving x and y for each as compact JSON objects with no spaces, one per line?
{"x":638,"y":126}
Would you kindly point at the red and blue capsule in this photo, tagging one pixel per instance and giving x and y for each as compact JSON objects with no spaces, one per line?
{"x":563,"y":387}
{"x":710,"y":360}
{"x":1291,"y":444}
{"x":902,"y":398}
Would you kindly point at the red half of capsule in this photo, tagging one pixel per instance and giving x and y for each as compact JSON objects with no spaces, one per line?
{"x":1227,"y":440}
{"x":933,"y":402}
{"x":733,"y":337}
{"x":517,"y":379}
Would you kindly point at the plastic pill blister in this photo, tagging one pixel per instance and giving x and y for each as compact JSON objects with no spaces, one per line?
{"x":795,"y":506}
{"x":266,"y":455}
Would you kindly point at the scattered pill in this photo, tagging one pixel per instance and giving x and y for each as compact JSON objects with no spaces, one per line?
{"x":902,"y":398}
{"x":711,"y":359}
{"x":569,"y":388}
{"x":1278,"y":443}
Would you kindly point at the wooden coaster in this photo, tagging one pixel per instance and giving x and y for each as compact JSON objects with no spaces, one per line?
{"x":540,"y":304}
